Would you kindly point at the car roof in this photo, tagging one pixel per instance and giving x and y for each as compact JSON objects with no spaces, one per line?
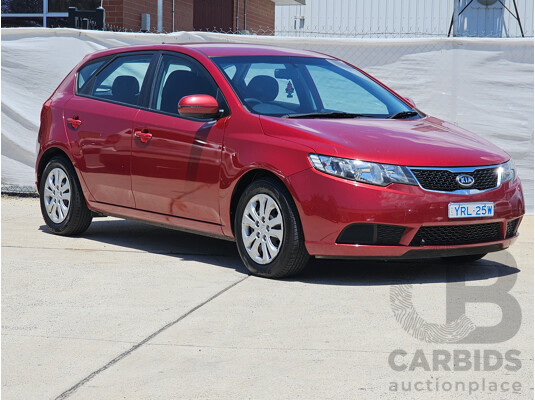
{"x":243,"y":49}
{"x":213,"y":50}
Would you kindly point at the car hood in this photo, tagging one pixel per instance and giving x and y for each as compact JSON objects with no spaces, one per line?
{"x":413,"y":142}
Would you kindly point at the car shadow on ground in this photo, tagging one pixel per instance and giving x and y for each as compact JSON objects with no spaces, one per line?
{"x":153,"y":239}
{"x":138,"y":236}
{"x":375,"y":273}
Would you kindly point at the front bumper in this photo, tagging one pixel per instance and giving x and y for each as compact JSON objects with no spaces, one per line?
{"x":327,"y":205}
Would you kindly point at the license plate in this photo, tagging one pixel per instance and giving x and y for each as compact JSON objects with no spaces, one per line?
{"x":470,"y":210}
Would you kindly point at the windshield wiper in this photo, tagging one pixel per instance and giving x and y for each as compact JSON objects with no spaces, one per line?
{"x":334,"y":114}
{"x":403,"y":114}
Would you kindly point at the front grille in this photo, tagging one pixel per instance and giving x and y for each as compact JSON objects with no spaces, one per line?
{"x":512,"y":227}
{"x":456,"y":234}
{"x":371,"y":234}
{"x":445,"y":181}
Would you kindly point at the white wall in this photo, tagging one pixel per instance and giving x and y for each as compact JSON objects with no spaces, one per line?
{"x":483,"y":85}
{"x":398,"y":18}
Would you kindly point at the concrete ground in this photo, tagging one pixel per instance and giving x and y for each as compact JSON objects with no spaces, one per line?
{"x":131,"y":311}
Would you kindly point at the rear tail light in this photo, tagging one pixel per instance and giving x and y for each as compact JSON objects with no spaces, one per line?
{"x":46,"y":119}
{"x":46,"y":107}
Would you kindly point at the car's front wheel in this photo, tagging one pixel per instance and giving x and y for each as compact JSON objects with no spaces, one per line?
{"x":268,"y":231}
{"x":62,"y":201}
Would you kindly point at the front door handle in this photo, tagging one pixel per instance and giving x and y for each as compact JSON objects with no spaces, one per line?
{"x":74,"y":121}
{"x":144,"y":137}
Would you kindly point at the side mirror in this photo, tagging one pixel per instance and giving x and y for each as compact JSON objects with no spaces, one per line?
{"x":198,"y":106}
{"x":410,"y":101}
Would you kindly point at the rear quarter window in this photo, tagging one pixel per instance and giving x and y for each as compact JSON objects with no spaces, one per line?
{"x":86,"y":72}
{"x":117,"y":79}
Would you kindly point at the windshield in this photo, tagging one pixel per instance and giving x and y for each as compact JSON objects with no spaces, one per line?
{"x":307,"y":87}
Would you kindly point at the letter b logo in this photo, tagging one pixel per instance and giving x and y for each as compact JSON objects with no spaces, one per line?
{"x":458,"y":327}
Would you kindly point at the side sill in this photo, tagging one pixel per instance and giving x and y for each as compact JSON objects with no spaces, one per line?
{"x":162,"y":220}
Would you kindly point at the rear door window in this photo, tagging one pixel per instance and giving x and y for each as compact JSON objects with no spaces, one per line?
{"x":121,"y":81}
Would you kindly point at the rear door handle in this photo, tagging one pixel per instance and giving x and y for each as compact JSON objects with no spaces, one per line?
{"x":75,"y":122}
{"x":144,"y":137}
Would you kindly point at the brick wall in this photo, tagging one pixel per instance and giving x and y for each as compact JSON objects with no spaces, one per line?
{"x":213,"y":14}
{"x":127,"y":14}
{"x":114,"y":12}
{"x":260,"y":15}
{"x":184,"y":15}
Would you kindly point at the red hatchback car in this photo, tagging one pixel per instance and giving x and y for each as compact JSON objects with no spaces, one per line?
{"x":290,"y":153}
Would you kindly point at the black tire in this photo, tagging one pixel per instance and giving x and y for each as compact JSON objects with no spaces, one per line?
{"x":78,"y":217}
{"x":292,"y":255}
{"x":464,"y":259}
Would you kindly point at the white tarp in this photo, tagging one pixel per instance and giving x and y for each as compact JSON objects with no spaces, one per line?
{"x":484,"y":85}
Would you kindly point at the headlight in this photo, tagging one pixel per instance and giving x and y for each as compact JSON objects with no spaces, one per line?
{"x":362,"y":171}
{"x":508,"y":171}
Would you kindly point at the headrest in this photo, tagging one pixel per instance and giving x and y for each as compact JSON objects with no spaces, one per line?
{"x":263,"y":87}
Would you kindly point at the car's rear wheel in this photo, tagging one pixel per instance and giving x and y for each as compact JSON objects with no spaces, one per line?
{"x":62,"y":202}
{"x":268,"y":231}
{"x":464,"y":259}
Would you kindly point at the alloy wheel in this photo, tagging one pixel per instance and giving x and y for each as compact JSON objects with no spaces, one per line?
{"x":262,"y":228}
{"x":57,"y":195}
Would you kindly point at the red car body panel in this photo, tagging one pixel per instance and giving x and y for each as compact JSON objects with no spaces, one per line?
{"x":247,"y":148}
{"x":101,"y":147}
{"x":177,"y":171}
{"x":186,"y":173}
{"x":423,"y":142}
{"x":329,"y":211}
